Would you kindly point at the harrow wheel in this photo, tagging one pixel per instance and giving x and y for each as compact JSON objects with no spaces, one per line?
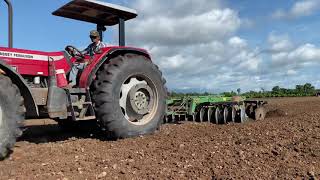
{"x":202,"y":113}
{"x":233,"y":114}
{"x":210,"y":112}
{"x":227,"y":114}
{"x":218,"y":115}
{"x":250,"y":111}
{"x":241,"y":115}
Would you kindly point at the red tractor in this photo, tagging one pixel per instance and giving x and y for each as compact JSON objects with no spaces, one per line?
{"x":121,"y":88}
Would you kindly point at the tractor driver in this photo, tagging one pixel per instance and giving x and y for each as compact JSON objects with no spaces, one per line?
{"x":94,"y":47}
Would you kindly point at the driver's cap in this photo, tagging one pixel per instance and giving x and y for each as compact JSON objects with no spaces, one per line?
{"x":94,"y":33}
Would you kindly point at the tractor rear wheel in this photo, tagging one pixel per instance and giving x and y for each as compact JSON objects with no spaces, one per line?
{"x":129,"y":96}
{"x":12,"y":112}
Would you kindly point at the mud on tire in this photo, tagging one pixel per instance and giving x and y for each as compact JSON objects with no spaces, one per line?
{"x":12,"y":112}
{"x":129,"y":96}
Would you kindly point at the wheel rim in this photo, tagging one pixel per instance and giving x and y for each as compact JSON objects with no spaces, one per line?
{"x":138,"y":100}
{"x":1,"y":116}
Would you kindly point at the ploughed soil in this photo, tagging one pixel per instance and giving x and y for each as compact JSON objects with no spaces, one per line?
{"x":284,"y":146}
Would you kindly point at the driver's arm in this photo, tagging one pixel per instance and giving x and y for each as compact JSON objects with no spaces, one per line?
{"x":87,"y":50}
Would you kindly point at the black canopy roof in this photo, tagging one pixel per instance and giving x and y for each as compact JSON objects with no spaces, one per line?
{"x":96,"y":12}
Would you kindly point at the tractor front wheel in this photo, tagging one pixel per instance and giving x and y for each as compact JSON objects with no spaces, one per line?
{"x":129,"y":96}
{"x":12,"y":112}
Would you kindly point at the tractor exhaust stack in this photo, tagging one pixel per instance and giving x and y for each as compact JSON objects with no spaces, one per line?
{"x":10,"y":21}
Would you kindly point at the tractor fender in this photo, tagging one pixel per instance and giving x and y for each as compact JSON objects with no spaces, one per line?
{"x":112,"y":54}
{"x":17,"y":79}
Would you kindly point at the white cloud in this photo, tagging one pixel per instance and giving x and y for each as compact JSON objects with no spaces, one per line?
{"x":212,"y":25}
{"x":290,"y":58}
{"x":177,"y":9}
{"x":305,"y":54}
{"x":237,"y":42}
{"x":279,"y":42}
{"x":197,"y":47}
{"x":305,"y":8}
{"x":291,"y":72}
{"x":299,"y":9}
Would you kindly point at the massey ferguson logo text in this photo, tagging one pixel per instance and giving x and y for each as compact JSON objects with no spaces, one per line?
{"x":6,"y":54}
{"x":16,"y":55}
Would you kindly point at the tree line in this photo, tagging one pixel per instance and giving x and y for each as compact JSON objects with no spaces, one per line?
{"x":299,"y":91}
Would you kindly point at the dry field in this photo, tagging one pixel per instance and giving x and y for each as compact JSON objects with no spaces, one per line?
{"x":284,"y":146}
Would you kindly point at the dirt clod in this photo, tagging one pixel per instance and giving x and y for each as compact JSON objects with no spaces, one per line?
{"x":102,"y":175}
{"x":276,"y":113}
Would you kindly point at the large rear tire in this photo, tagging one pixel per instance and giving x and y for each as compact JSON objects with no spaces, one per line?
{"x":12,"y":112}
{"x":129,"y":96}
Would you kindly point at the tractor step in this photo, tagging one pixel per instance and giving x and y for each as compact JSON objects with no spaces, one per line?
{"x":80,"y":105}
{"x":86,"y":118}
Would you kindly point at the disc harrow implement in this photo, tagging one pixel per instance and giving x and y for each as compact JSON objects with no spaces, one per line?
{"x":214,"y":109}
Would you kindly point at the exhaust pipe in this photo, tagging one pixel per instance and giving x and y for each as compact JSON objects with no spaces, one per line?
{"x":10,"y":22}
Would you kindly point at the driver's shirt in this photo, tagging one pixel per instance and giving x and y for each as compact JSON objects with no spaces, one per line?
{"x":93,"y":47}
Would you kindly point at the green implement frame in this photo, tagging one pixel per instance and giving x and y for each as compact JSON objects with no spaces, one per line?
{"x":188,"y":104}
{"x":199,"y":108}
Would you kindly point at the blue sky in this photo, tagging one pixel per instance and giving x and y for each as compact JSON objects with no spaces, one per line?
{"x":34,"y":23}
{"x":37,"y":29}
{"x":259,"y":12}
{"x":231,"y":34}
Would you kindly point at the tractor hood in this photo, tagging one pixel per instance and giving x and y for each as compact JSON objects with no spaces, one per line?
{"x":96,"y":12}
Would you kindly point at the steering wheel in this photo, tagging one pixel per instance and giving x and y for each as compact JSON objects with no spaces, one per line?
{"x":74,"y":52}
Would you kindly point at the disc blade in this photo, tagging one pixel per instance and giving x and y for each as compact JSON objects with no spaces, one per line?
{"x":202,"y":111}
{"x":210,"y":112}
{"x":225,"y":115}
{"x":233,"y":114}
